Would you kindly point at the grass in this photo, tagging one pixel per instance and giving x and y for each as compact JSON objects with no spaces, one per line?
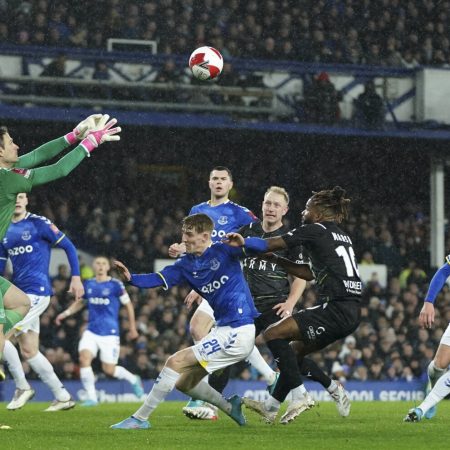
{"x":371,"y":425}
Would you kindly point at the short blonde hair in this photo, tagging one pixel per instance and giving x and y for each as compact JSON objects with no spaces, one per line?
{"x":278,"y":190}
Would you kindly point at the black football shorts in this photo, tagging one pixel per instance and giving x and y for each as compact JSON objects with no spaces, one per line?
{"x":326,"y":323}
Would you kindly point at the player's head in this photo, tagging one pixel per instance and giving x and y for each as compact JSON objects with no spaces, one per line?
{"x":9,"y":151}
{"x":275,"y":205}
{"x":326,"y":205}
{"x":21,"y":204}
{"x":220,"y":182}
{"x":101,"y":266}
{"x":196,"y":232}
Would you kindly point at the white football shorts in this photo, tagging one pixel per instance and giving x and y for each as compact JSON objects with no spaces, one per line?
{"x":445,"y":339}
{"x":224,"y":346}
{"x":39,"y":303}
{"x":109,"y":346}
{"x":206,"y":308}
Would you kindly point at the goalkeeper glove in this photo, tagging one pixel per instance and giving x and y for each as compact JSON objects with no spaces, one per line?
{"x":83,"y":128}
{"x":103,"y":133}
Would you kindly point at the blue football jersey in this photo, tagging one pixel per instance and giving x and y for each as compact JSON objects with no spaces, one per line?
{"x":227,"y":217}
{"x":104,"y":299}
{"x":217,"y":276}
{"x":28,"y":244}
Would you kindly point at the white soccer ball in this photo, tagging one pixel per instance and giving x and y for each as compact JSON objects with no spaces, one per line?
{"x":206,"y":63}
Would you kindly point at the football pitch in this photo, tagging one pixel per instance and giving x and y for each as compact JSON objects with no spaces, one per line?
{"x":370,"y":425}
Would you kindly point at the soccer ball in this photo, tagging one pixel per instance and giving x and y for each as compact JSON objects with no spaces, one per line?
{"x":206,"y":63}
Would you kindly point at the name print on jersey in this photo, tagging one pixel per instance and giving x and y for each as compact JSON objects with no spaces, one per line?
{"x":259,"y":264}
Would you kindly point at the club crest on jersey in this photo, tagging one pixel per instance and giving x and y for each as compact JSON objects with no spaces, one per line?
{"x":214,"y":264}
{"x":105,"y":292}
{"x":5,"y":240}
{"x":26,"y":235}
{"x":222,"y":220}
{"x":24,"y":172}
{"x":89,"y":291}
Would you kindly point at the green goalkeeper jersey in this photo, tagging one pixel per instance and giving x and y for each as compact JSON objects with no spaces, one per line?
{"x":25,"y":175}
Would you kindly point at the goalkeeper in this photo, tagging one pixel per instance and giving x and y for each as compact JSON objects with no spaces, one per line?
{"x":22,"y":174}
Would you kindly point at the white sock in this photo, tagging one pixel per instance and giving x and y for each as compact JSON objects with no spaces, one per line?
{"x":203,"y":391}
{"x":41,"y":365}
{"x":440,"y":391}
{"x":88,"y":381}
{"x":164,"y":384}
{"x":332,"y":387}
{"x":259,"y":363}
{"x":272,"y":404}
{"x":434,"y":373}
{"x":298,"y":393}
{"x":11,"y":357}
{"x":123,"y":374}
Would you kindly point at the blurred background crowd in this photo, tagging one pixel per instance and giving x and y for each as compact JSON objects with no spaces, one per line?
{"x":381,"y":32}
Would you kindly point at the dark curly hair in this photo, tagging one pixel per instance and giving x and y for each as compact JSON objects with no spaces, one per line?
{"x":332,"y":203}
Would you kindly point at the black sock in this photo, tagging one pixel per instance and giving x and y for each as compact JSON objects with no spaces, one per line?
{"x":310,"y":369}
{"x":290,"y":376}
{"x":218,"y":380}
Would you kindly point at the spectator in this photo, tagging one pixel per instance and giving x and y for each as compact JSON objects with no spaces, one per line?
{"x":369,"y":108}
{"x":55,"y":69}
{"x":321,"y":101}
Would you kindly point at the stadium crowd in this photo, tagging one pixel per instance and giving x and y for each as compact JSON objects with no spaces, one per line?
{"x":387,"y":346}
{"x":382,"y":32}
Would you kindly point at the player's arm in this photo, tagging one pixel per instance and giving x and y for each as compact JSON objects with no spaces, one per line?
{"x":132,"y":320}
{"x":168,"y":277}
{"x":76,"y":306}
{"x":254,"y":244}
{"x":76,"y":286}
{"x":53,"y":148}
{"x":426,"y":316}
{"x":65,"y":165}
{"x":302,"y":271}
{"x":297,"y":287}
{"x":126,"y":301}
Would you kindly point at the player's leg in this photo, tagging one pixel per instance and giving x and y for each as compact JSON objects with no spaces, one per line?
{"x":277,"y":337}
{"x":200,"y":325}
{"x":23,"y":391}
{"x":439,"y":392}
{"x":201,"y":322}
{"x":319,"y":327}
{"x":28,"y":338}
{"x":16,"y":305}
{"x":312,"y":371}
{"x":164,"y":384}
{"x":109,"y":356}
{"x":223,"y":347}
{"x":87,"y":351}
{"x":436,"y":370}
{"x":438,"y":367}
{"x":29,"y":347}
{"x":186,"y":369}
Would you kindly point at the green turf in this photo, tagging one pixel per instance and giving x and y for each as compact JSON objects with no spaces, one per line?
{"x":370,"y":425}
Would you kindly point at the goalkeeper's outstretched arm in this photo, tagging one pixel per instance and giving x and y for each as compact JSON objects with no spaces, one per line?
{"x":53,"y":148}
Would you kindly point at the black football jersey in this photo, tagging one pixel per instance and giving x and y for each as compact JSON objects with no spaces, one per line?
{"x":331,"y":256}
{"x":268,"y":282}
